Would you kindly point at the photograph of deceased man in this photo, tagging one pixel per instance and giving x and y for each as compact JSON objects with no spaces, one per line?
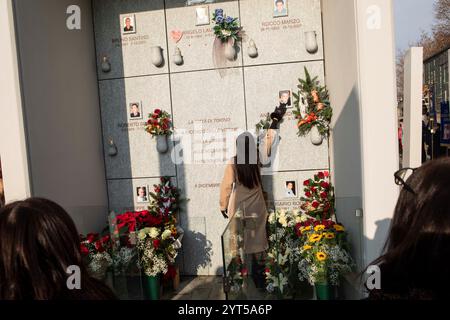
{"x":135,"y":111}
{"x":280,"y":8}
{"x":129,"y":25}
{"x":285,"y":97}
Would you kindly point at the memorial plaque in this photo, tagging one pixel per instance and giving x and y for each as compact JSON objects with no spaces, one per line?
{"x":129,"y":52}
{"x":137,"y":156}
{"x":262,"y":88}
{"x":277,"y":188}
{"x":211,"y":111}
{"x":123,"y":194}
{"x":281,"y":38}
{"x":196,"y":43}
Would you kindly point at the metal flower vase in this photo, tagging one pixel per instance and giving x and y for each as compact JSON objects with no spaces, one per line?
{"x":324,"y":291}
{"x":230,"y":50}
{"x":161,"y":143}
{"x":315,"y":136}
{"x":151,"y":287}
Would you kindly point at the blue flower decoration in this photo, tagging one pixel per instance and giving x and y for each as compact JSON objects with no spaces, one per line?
{"x":229,"y":20}
{"x":219,"y":19}
{"x":219,"y":12}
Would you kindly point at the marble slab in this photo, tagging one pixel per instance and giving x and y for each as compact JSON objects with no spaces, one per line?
{"x":137,"y":156}
{"x":196,"y":45}
{"x":129,"y":53}
{"x":215,"y":107}
{"x":275,"y":186}
{"x":123,"y":194}
{"x":280,"y":39}
{"x":262,"y":86}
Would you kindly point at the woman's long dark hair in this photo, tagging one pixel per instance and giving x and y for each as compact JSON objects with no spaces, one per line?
{"x":247,"y":161}
{"x":417,"y":251}
{"x":38,"y":241}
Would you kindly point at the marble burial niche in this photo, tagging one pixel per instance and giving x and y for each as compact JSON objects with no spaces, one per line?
{"x":195,"y":92}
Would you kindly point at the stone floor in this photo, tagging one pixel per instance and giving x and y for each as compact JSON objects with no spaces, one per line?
{"x":196,"y":288}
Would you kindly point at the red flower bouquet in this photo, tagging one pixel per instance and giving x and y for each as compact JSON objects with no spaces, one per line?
{"x":319,"y":196}
{"x":159,"y":123}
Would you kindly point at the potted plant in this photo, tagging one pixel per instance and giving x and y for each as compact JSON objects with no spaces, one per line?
{"x":282,"y":257}
{"x":157,"y":252}
{"x":159,"y":125}
{"x":317,"y":113}
{"x":324,"y":255}
{"x":96,"y":250}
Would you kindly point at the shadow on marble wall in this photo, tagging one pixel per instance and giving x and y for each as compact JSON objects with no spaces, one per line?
{"x":348,"y":183}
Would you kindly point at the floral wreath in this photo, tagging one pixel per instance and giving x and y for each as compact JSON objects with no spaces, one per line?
{"x":315,"y":99}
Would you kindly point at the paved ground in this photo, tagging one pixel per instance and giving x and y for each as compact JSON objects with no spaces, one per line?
{"x":196,"y":288}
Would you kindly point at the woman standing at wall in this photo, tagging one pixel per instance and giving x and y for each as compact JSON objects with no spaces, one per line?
{"x":241,"y":190}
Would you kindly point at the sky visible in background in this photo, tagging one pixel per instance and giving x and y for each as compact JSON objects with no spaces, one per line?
{"x":411,"y":17}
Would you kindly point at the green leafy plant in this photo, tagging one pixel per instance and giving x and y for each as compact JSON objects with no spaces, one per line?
{"x":318,"y":111}
{"x":264,"y":124}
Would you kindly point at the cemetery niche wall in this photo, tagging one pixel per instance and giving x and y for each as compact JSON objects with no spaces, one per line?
{"x":159,"y":54}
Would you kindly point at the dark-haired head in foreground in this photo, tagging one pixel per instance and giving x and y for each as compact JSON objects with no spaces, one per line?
{"x":416,"y":259}
{"x":38,"y":241}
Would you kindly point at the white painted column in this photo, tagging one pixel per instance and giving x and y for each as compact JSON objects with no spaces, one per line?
{"x":377,"y":84}
{"x":13,"y":151}
{"x":412,"y":108}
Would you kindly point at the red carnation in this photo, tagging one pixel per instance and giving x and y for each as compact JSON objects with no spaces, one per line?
{"x":105,"y":238}
{"x":313,"y":189}
{"x":315,"y":204}
{"x":325,"y":185}
{"x":99,"y":247}
{"x":321,"y":175}
{"x":84,"y":250}
{"x":326,"y":174}
{"x":306,"y":183}
{"x":308,"y":194}
{"x":157,"y":111}
{"x":91,"y":237}
{"x":323,"y":195}
{"x":156,"y":243}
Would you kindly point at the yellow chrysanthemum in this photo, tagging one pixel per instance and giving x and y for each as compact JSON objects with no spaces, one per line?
{"x":321,"y":256}
{"x":338,"y":227}
{"x":329,"y":235}
{"x":308,"y":228}
{"x":315,"y":238}
{"x":306,"y":247}
{"x":319,"y":227}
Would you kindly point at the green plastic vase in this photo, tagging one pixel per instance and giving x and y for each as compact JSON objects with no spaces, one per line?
{"x":152,"y":287}
{"x":324,"y":291}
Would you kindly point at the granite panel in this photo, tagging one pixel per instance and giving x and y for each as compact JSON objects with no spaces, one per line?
{"x":262,"y":86}
{"x":123,"y":195}
{"x":280,"y":39}
{"x":136,"y":149}
{"x":129,"y":53}
{"x":196,"y":44}
{"x":275,"y":186}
